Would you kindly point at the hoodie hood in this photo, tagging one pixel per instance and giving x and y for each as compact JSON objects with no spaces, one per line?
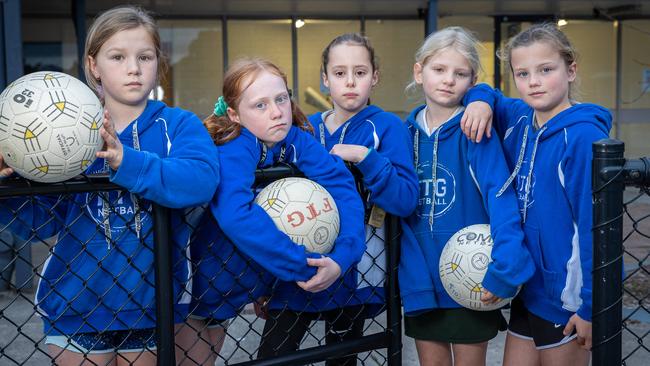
{"x":577,"y":114}
{"x":359,"y":121}
{"x":367,"y":113}
{"x":149,"y":115}
{"x":446,"y":130}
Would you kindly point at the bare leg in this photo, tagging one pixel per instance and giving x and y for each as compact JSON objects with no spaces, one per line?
{"x":469,"y":354}
{"x":143,"y":358}
{"x":69,"y":358}
{"x":569,"y":354}
{"x":520,"y":352}
{"x":196,"y":344}
{"x":433,"y":353}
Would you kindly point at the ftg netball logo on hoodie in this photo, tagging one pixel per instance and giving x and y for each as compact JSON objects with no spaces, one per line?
{"x":121,"y":210}
{"x":442,"y":192}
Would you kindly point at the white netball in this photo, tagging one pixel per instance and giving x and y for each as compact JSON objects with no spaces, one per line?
{"x":303,"y":210}
{"x":49,"y":126}
{"x":463,"y":264}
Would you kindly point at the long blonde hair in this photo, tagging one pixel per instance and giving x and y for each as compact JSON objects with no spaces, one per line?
{"x":456,"y":38}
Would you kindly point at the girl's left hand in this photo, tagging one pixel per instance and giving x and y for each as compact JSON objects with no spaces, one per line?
{"x":489,"y":298}
{"x":583,"y":329}
{"x":113,"y":151}
{"x":351,"y":153}
{"x":328,"y":272}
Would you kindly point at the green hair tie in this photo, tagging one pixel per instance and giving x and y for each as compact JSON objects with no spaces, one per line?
{"x":220,"y":107}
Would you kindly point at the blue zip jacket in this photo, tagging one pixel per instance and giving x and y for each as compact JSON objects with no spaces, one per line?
{"x":552,"y":176}
{"x":225,"y":279}
{"x":91,"y":284}
{"x":468,"y":179}
{"x":389,"y":177}
{"x":253,"y":232}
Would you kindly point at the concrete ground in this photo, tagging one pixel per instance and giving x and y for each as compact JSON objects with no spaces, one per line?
{"x":20,"y":331}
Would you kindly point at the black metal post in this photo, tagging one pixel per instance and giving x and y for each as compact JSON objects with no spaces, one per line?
{"x":393,"y":304}
{"x":497,"y":45}
{"x":3,"y":71}
{"x":13,"y":43}
{"x":431,"y":24}
{"x":608,"y":185}
{"x":164,"y":286}
{"x":79,"y":21}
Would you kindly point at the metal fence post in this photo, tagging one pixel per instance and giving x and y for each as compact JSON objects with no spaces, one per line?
{"x":393,"y":305}
{"x":164,"y":286}
{"x":607,"y":185}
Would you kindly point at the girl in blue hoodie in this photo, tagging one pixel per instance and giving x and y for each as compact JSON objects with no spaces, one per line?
{"x":372,"y":142}
{"x":459,"y":186}
{"x":547,"y":139}
{"x":96,"y":294}
{"x":255,"y":124}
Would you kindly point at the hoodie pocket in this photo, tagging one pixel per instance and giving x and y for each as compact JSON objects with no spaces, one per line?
{"x":550,"y":278}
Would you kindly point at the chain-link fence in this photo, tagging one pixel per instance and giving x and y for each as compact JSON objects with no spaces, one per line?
{"x":621,"y":297}
{"x":110,"y":271}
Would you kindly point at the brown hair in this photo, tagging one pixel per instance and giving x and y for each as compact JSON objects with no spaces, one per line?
{"x":350,"y":38}
{"x":113,"y":21}
{"x":239,"y":76}
{"x":549,"y":33}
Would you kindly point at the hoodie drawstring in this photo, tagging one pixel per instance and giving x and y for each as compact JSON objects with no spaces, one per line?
{"x":434,"y":180}
{"x":530,"y":172}
{"x":106,"y":211}
{"x":520,"y":160}
{"x":434,"y":165}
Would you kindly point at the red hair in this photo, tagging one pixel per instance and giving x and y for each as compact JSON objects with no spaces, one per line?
{"x":239,"y":76}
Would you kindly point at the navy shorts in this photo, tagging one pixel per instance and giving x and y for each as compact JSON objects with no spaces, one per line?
{"x":135,"y":340}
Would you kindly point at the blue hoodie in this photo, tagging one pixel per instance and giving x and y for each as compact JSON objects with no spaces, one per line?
{"x":90,"y":283}
{"x":253,"y":232}
{"x":225,"y":279}
{"x":389,"y":177}
{"x":552,"y":176}
{"x":468,"y":178}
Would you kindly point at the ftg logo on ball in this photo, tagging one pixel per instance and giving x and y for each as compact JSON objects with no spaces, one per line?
{"x":303,"y":210}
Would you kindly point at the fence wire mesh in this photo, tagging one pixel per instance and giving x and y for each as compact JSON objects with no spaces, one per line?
{"x":621,"y":278}
{"x":80,"y":262}
{"x":636,"y":280}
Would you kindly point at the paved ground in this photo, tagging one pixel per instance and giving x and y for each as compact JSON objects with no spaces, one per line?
{"x":17,"y":347}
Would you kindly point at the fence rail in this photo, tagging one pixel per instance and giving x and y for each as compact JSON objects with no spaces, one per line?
{"x":25,"y":346}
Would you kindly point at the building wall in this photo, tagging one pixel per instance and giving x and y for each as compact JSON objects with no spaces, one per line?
{"x":196,"y":51}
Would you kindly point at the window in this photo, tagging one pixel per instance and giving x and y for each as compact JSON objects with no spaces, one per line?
{"x":395,"y":43}
{"x":313,"y":37}
{"x":195,"y":75}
